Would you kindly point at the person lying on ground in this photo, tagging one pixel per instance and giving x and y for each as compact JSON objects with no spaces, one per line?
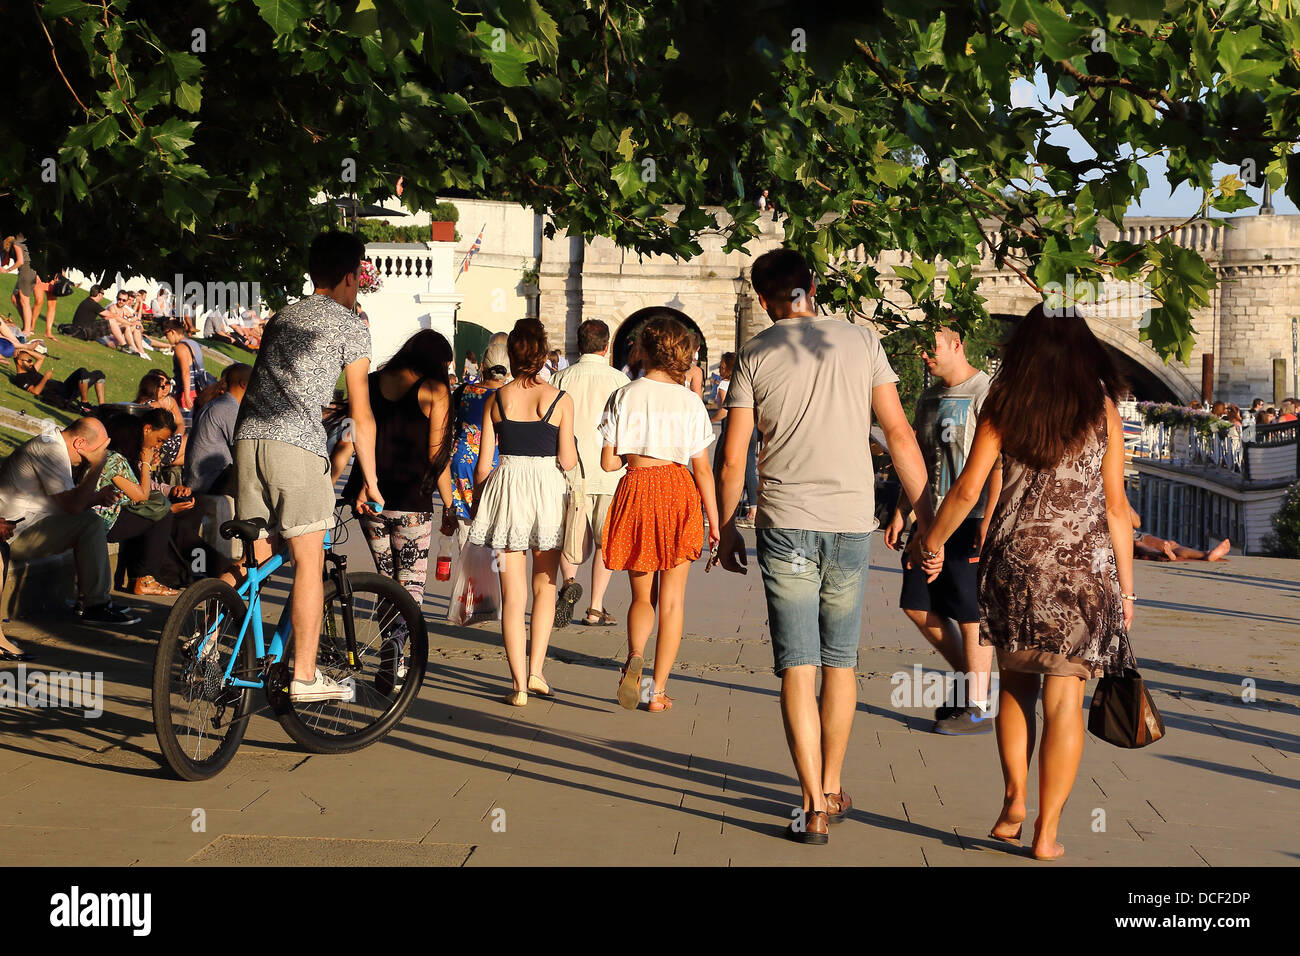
{"x":1148,"y":547}
{"x":73,"y":392}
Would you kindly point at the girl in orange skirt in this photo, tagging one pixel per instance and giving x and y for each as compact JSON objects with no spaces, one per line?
{"x":655,"y":529}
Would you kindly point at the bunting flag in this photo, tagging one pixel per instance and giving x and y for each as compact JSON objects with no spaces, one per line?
{"x":478,"y":244}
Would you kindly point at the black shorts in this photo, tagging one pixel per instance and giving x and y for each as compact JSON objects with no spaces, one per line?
{"x":954,"y":592}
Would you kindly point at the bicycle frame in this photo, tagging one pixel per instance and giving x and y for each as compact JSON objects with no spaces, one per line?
{"x":250,"y":591}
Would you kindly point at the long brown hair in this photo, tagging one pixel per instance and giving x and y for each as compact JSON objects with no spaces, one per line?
{"x":1051,"y":388}
{"x":527,"y":347}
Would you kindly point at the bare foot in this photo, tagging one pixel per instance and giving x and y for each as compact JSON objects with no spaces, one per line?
{"x":1169,"y":549}
{"x":1009,"y":822}
{"x":1048,"y":852}
{"x":1219,"y":550}
{"x":1044,"y":849}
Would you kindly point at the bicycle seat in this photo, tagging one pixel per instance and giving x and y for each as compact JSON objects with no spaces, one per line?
{"x":249,"y":530}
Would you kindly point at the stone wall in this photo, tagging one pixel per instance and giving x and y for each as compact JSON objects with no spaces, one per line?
{"x":1246,"y":326}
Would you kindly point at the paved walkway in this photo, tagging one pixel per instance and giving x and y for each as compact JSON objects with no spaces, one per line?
{"x":467,"y":780}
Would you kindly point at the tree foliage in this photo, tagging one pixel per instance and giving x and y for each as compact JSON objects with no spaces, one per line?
{"x":192,"y":135}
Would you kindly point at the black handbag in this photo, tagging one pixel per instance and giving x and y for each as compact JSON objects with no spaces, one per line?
{"x":60,"y":286}
{"x":1122,"y":712}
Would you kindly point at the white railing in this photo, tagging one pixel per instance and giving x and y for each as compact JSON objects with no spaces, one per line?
{"x":1183,"y":446}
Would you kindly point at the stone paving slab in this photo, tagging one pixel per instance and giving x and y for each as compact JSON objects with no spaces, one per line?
{"x":466,"y":779}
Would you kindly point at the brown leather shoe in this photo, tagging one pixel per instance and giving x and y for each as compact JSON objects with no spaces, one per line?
{"x":838,"y":806}
{"x":816,"y":829}
{"x":149,"y":585}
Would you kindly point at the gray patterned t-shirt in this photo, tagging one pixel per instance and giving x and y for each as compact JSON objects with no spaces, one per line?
{"x":306,"y":346}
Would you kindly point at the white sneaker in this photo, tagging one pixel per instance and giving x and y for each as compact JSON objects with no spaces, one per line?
{"x":320,"y":688}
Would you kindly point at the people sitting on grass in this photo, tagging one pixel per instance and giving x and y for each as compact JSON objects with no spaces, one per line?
{"x":215,"y":327}
{"x":90,"y":319}
{"x":1148,"y":547}
{"x":72,"y":393}
{"x":247,"y":328}
{"x":128,"y":334}
{"x":54,"y":513}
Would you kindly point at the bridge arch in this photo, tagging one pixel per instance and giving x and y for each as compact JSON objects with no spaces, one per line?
{"x":630,"y":327}
{"x":1148,"y":376}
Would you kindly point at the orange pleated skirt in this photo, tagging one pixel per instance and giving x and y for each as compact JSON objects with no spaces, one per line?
{"x":655,"y":520}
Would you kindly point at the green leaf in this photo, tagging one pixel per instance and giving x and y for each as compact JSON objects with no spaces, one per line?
{"x":1203,"y":48}
{"x":889,"y":172}
{"x":72,"y":9}
{"x":283,"y":16}
{"x":105,"y":132}
{"x":455,"y":103}
{"x":628,"y":178}
{"x":625,"y":147}
{"x":174,"y":135}
{"x":509,"y":66}
{"x":186,"y":66}
{"x":1143,"y":14}
{"x":189,"y":97}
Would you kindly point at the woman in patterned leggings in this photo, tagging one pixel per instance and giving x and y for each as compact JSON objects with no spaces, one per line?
{"x":412,"y":405}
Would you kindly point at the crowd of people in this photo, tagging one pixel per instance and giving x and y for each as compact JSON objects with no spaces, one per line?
{"x":1260,"y":412}
{"x":1036,"y":452}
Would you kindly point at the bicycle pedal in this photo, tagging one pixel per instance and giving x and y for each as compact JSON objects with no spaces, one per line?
{"x":277,"y":686}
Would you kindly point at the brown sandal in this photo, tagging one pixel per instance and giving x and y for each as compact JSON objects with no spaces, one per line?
{"x":629,"y":683}
{"x":148,"y":585}
{"x":659,"y":701}
{"x":603,"y":618}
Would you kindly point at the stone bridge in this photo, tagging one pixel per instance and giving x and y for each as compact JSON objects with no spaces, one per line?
{"x":1246,"y":331}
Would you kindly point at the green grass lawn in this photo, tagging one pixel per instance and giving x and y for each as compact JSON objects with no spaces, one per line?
{"x":123,"y":371}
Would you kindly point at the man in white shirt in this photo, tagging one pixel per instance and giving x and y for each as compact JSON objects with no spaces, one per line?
{"x":162,"y":304}
{"x":52,"y":513}
{"x":590,"y":381}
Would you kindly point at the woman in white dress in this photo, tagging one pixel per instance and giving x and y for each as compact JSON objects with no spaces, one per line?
{"x":519,"y":507}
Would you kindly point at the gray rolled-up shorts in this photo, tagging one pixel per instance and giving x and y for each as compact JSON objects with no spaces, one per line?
{"x":287,"y":486}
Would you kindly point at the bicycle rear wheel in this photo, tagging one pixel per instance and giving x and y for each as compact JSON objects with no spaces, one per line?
{"x":392,"y":653}
{"x":199,"y":721}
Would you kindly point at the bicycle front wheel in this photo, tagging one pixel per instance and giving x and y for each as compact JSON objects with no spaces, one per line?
{"x":198,"y":718}
{"x":392,"y":653}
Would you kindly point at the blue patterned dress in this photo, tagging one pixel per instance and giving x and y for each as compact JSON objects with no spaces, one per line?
{"x":464,"y":454}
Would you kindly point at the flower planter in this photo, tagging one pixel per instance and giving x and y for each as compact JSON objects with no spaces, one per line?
{"x":443,"y":231}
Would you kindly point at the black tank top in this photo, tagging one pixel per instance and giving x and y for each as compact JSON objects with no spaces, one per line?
{"x":538,"y":439}
{"x":401,"y":448}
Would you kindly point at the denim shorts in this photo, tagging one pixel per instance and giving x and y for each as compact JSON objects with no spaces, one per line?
{"x":814,"y":582}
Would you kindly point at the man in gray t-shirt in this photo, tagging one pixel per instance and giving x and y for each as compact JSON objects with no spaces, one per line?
{"x":210,"y":450}
{"x":946,"y":610}
{"x":812,"y":384}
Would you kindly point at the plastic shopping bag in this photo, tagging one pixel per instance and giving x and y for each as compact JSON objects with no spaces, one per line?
{"x":476,"y":590}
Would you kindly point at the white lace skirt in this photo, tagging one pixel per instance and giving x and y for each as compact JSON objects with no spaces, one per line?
{"x":522,"y":506}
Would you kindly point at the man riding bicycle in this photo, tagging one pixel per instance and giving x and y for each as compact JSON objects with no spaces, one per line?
{"x":281,"y":466}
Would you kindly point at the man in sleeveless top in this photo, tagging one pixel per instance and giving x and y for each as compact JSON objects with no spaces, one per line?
{"x":945,"y":419}
{"x":282,"y":472}
{"x":812,"y":383}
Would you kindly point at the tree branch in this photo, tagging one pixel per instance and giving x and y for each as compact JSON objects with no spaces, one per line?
{"x":55,"y":57}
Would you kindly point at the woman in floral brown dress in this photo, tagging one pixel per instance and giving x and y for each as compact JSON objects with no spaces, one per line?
{"x":1056,"y":571}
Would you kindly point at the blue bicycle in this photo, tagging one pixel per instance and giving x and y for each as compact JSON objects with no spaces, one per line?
{"x":213,"y":655}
